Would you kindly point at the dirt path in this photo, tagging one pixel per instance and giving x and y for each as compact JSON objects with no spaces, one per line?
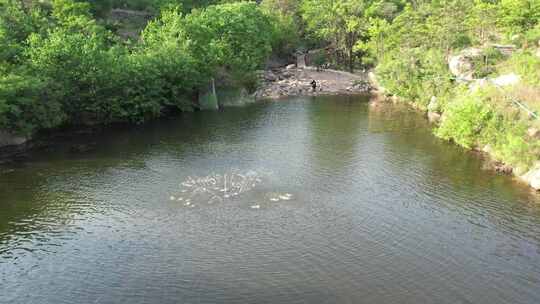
{"x":296,"y":81}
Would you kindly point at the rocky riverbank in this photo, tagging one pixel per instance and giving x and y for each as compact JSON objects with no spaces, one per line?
{"x":293,"y":81}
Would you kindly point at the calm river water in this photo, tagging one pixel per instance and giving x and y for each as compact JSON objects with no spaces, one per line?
{"x":310,"y":200}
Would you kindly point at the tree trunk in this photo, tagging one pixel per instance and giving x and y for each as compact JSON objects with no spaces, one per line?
{"x":350,"y":47}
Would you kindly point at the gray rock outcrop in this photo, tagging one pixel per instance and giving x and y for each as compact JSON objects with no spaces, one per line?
{"x":461,"y":64}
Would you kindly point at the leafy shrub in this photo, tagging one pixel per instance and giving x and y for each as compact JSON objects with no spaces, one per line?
{"x":415,"y":74}
{"x":464,"y":120}
{"x":79,"y":64}
{"x":486,"y":64}
{"x":518,"y":16}
{"x":26,"y":106}
{"x":475,"y":119}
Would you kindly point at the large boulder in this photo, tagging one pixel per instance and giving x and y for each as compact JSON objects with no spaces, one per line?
{"x":434,"y":110}
{"x":506,"y":80}
{"x":461,"y":64}
{"x":8,"y":139}
{"x":533,"y":177}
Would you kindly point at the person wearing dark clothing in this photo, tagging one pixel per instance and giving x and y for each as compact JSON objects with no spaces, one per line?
{"x":314,"y":85}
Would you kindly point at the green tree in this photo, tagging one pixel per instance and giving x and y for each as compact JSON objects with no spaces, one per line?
{"x":236,"y":37}
{"x":26,"y":105}
{"x":482,"y":21}
{"x":17,"y":22}
{"x":518,"y":16}
{"x":285,"y":18}
{"x":76,"y":56}
{"x":343,"y":23}
{"x":98,"y":8}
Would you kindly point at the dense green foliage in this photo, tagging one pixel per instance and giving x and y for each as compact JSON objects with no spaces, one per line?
{"x":474,"y":120}
{"x":59,"y":65}
{"x":155,"y":6}
{"x":285,"y":18}
{"x":411,"y":51}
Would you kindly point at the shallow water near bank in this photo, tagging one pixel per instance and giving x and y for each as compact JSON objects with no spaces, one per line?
{"x":310,"y":200}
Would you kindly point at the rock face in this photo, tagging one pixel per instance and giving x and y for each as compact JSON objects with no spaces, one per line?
{"x":461,"y":65}
{"x":506,"y":80}
{"x":8,"y":139}
{"x":533,"y":177}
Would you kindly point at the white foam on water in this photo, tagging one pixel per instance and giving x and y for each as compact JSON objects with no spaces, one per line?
{"x":217,"y":188}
